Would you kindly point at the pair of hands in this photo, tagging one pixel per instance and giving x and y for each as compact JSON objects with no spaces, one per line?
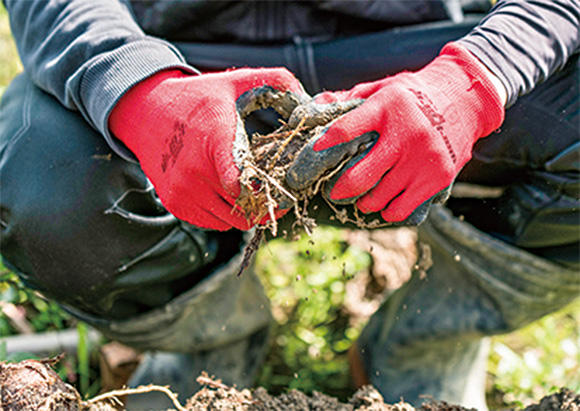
{"x":420,"y":128}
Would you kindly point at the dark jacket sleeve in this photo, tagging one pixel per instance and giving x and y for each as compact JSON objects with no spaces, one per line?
{"x":87,"y":53}
{"x":524,"y":42}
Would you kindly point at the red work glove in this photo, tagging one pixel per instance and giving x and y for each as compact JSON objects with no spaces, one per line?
{"x":182,"y":128}
{"x":420,"y":127}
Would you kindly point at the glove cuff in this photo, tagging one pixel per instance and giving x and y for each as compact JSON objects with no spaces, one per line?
{"x":134,"y":116}
{"x":486,"y":105}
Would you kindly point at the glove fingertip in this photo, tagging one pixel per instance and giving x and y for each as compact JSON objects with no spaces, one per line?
{"x":326,"y":97}
{"x":330,"y":136}
{"x":404,"y":214}
{"x":398,"y":210}
{"x":393,"y":216}
{"x":368,"y":204}
{"x":343,"y":190}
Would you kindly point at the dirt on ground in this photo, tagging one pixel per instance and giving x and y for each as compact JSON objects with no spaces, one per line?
{"x":33,"y":385}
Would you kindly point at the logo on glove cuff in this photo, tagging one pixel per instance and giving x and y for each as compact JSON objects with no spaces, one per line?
{"x":173,"y":146}
{"x":435,"y":118}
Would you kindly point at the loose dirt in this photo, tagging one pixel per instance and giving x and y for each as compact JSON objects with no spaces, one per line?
{"x":33,"y":385}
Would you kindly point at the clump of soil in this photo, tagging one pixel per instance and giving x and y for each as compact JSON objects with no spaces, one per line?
{"x":216,"y":396}
{"x":33,"y":385}
{"x":365,"y":399}
{"x":565,"y":399}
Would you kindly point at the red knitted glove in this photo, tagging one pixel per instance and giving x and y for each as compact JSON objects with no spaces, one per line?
{"x":422,"y":127}
{"x":181,"y":128}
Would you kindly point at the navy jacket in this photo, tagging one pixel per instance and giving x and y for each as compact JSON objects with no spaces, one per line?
{"x":88,"y":53}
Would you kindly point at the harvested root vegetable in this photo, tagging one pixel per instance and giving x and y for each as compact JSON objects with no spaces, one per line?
{"x":33,"y":385}
{"x":265,"y":161}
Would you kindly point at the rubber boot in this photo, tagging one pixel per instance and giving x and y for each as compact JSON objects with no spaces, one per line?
{"x":428,"y":338}
{"x":220,"y":326}
{"x":235,"y":364}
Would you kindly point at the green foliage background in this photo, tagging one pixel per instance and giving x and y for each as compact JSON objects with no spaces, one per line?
{"x":305,"y":281}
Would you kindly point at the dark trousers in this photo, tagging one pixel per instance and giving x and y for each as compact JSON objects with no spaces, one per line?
{"x":84,"y":227}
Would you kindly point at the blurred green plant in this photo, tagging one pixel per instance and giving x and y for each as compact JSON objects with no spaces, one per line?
{"x":305,"y":281}
{"x":83,"y":357}
{"x":29,"y":308}
{"x":10,"y":62}
{"x":536,"y":360}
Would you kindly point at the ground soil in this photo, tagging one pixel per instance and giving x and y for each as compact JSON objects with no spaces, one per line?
{"x":33,"y":385}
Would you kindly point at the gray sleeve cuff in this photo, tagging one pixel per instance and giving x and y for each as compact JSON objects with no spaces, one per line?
{"x":112,"y":74}
{"x":524,"y":42}
{"x":495,"y":61}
